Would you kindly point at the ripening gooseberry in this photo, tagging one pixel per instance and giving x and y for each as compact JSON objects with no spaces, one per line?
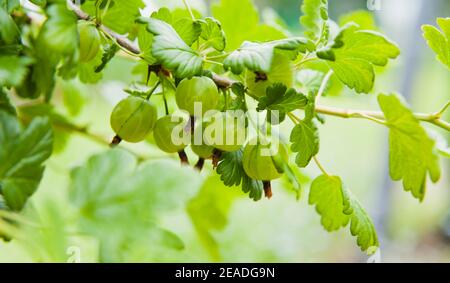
{"x":89,"y":40}
{"x":225,"y":131}
{"x":197,"y":89}
{"x":170,"y":133}
{"x":259,"y":159}
{"x":133,"y":118}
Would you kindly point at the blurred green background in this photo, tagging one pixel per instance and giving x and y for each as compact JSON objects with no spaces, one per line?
{"x":283,"y":229}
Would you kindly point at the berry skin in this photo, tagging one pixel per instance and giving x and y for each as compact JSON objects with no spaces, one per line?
{"x":170,"y":133}
{"x":259,"y":159}
{"x":197,"y":89}
{"x":133,"y":118}
{"x":281,"y":71}
{"x":89,"y":41}
{"x":225,"y":132}
{"x":198,"y":145}
{"x":203,"y":150}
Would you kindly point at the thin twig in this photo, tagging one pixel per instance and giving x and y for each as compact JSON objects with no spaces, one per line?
{"x":316,"y":160}
{"x":323,"y":85}
{"x":224,"y":83}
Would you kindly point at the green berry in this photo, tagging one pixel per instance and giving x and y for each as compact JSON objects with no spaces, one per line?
{"x":197,"y":89}
{"x":89,"y":40}
{"x":225,"y":132}
{"x":170,"y":133}
{"x":260,"y":159}
{"x":133,"y":118}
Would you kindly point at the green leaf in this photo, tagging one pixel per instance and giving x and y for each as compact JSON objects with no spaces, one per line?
{"x":60,"y":31}
{"x":22,"y":154}
{"x":438,"y":40}
{"x":315,"y":14}
{"x":258,"y":56}
{"x":163,"y":14}
{"x":188,"y":30}
{"x":120,"y":15}
{"x":40,"y":3}
{"x":73,"y":97}
{"x":254,"y":188}
{"x":213,"y":34}
{"x":353,"y":55}
{"x":230,"y":168}
{"x":9,"y":5}
{"x":87,"y":71}
{"x":411,"y":151}
{"x":215,"y":199}
{"x":232,"y":172}
{"x":278,"y":97}
{"x":111,"y":183}
{"x":292,"y":179}
{"x":111,"y":191}
{"x":238,"y":19}
{"x":5,"y":103}
{"x":170,"y":49}
{"x":9,"y":32}
{"x":327,"y":195}
{"x":362,"y":226}
{"x":145,"y":41}
{"x":13,"y":70}
{"x":305,"y":141}
{"x":240,"y":22}
{"x":109,"y":51}
{"x":59,"y":123}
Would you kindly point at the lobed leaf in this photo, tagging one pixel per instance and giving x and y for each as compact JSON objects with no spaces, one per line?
{"x":230,"y":168}
{"x":362,"y":226}
{"x":232,"y":172}
{"x":241,"y":22}
{"x":279,"y":98}
{"x":22,"y":153}
{"x":305,"y":141}
{"x":170,"y":49}
{"x":411,"y":151}
{"x":439,"y":40}
{"x":315,"y":14}
{"x":338,"y":207}
{"x":120,"y":15}
{"x":354,"y":53}
{"x":258,"y":56}
{"x":213,"y":34}
{"x":327,"y":195}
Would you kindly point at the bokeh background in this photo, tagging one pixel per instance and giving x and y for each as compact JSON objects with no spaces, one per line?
{"x":285,"y":229}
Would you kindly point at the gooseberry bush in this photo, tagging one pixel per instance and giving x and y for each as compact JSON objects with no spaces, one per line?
{"x":225,"y":62}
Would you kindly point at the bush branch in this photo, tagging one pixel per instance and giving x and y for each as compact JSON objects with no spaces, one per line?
{"x":223,"y":82}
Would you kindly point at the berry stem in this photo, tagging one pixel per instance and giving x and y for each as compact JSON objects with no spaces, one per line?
{"x":192,"y":124}
{"x":217,"y":154}
{"x":200,"y":163}
{"x":183,"y":157}
{"x":115,"y":141}
{"x":153,"y":90}
{"x":267,"y":189}
{"x":224,"y":83}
